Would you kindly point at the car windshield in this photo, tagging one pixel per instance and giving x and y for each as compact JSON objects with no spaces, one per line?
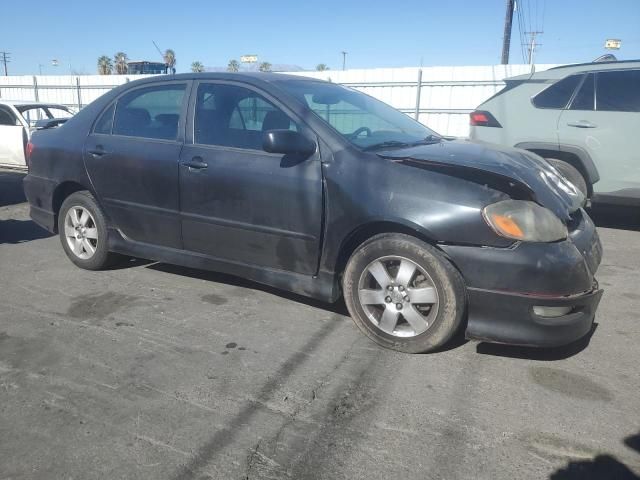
{"x":364,"y":121}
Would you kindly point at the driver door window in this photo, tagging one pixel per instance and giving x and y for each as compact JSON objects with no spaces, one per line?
{"x":231,"y":116}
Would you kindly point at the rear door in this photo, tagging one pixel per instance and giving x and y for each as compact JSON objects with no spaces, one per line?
{"x":12,"y":139}
{"x":604,"y":119}
{"x":238,"y":202}
{"x":132,"y":159}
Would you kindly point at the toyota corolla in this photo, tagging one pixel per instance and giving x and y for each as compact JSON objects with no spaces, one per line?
{"x":321,"y":190}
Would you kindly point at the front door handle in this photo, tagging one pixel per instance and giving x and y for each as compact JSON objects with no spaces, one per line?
{"x":196,"y":163}
{"x":582,"y":124}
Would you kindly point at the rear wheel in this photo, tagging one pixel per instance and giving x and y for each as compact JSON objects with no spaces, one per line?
{"x":83,"y":232}
{"x":403,"y":294}
{"x":571,"y":173}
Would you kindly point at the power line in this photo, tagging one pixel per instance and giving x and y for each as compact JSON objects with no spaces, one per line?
{"x":520,"y":15}
{"x":5,"y":58}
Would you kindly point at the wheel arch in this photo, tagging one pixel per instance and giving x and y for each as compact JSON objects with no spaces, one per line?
{"x":60,"y":194}
{"x":363,"y":232}
{"x":574,"y":156}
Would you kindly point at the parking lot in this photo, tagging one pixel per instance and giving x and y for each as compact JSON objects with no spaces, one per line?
{"x":155,"y":371}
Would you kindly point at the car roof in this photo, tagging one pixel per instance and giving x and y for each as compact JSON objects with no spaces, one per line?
{"x":250,"y":77}
{"x":27,"y":103}
{"x":564,"y":70}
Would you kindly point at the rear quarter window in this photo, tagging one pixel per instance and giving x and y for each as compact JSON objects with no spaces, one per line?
{"x":557,"y":96}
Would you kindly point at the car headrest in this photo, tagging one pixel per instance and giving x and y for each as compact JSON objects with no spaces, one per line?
{"x":168,"y":119}
{"x":135,"y":115}
{"x":275,"y":120}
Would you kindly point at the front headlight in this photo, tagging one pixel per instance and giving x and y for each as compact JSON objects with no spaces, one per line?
{"x":525,"y":221}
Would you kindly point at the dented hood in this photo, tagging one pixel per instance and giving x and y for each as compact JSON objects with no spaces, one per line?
{"x":526,"y":169}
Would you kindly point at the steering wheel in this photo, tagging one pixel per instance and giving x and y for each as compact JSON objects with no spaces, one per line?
{"x":359,"y":131}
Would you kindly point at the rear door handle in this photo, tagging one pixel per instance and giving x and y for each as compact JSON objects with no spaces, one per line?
{"x":196,"y":163}
{"x":98,"y":152}
{"x":582,"y":124}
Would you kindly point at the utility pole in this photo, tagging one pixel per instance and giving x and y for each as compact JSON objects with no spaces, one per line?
{"x":4,"y":58}
{"x":506,"y":39}
{"x":344,"y":60}
{"x":532,"y":46}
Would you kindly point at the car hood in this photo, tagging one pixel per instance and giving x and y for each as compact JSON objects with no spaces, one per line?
{"x":544,"y":183}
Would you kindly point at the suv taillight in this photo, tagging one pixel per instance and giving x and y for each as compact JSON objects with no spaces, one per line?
{"x":480,"y":118}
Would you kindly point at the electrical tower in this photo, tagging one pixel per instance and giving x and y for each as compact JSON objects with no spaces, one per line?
{"x":506,"y":39}
{"x":4,"y":59}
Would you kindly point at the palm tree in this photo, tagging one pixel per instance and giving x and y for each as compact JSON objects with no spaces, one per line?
{"x":104,"y":65}
{"x":170,"y":60}
{"x":321,"y":67}
{"x":265,"y":67}
{"x":120,"y":60}
{"x":197,"y":67}
{"x":233,"y":66}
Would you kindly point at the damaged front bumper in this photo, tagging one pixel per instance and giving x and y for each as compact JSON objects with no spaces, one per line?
{"x":534,"y":294}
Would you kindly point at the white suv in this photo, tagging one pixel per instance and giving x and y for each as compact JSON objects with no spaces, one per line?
{"x":584,"y":119}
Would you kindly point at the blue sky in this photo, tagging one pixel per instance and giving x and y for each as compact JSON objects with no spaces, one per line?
{"x":307,"y":32}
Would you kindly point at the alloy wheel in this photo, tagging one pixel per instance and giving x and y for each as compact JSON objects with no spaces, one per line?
{"x":398,"y":296}
{"x":81,"y":232}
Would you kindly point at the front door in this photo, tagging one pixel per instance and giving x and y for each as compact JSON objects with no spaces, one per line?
{"x":604,"y":120}
{"x":238,"y":202}
{"x":12,"y":139}
{"x":132,"y":159}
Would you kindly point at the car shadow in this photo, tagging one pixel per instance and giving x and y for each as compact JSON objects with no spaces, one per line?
{"x":11,"y":191}
{"x":615,"y":216}
{"x":339,"y":307}
{"x":21,"y":231}
{"x":536,"y":353}
{"x":601,"y":467}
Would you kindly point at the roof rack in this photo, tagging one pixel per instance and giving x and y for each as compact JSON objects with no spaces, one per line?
{"x":597,"y":60}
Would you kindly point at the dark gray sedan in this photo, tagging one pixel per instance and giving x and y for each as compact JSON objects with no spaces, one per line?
{"x":321,"y":190}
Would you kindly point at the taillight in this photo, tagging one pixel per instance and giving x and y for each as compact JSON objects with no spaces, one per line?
{"x":28,"y":153}
{"x":480,"y":118}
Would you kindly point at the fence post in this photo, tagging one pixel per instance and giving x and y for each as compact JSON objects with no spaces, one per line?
{"x":418,"y":89}
{"x":35,"y":89}
{"x":78,"y":92}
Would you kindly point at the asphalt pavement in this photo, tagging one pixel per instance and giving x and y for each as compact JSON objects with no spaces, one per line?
{"x":152,"y":371}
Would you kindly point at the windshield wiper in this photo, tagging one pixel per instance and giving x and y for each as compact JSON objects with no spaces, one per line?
{"x":388,"y":143}
{"x":428,"y":140}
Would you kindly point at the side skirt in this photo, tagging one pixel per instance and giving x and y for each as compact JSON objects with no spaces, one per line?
{"x":323,"y":286}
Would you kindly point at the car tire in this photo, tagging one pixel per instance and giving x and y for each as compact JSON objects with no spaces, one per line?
{"x":571,"y":173}
{"x":438,"y":290}
{"x":83,"y":232}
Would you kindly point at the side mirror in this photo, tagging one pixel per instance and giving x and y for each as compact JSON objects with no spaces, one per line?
{"x":287,"y":142}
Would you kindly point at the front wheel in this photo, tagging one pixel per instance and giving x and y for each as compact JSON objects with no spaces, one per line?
{"x":83,"y":232}
{"x":404,"y":294}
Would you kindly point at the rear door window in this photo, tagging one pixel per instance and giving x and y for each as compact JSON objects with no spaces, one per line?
{"x":618,"y":91}
{"x":152,"y":112}
{"x":557,"y":96}
{"x":585,"y":98}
